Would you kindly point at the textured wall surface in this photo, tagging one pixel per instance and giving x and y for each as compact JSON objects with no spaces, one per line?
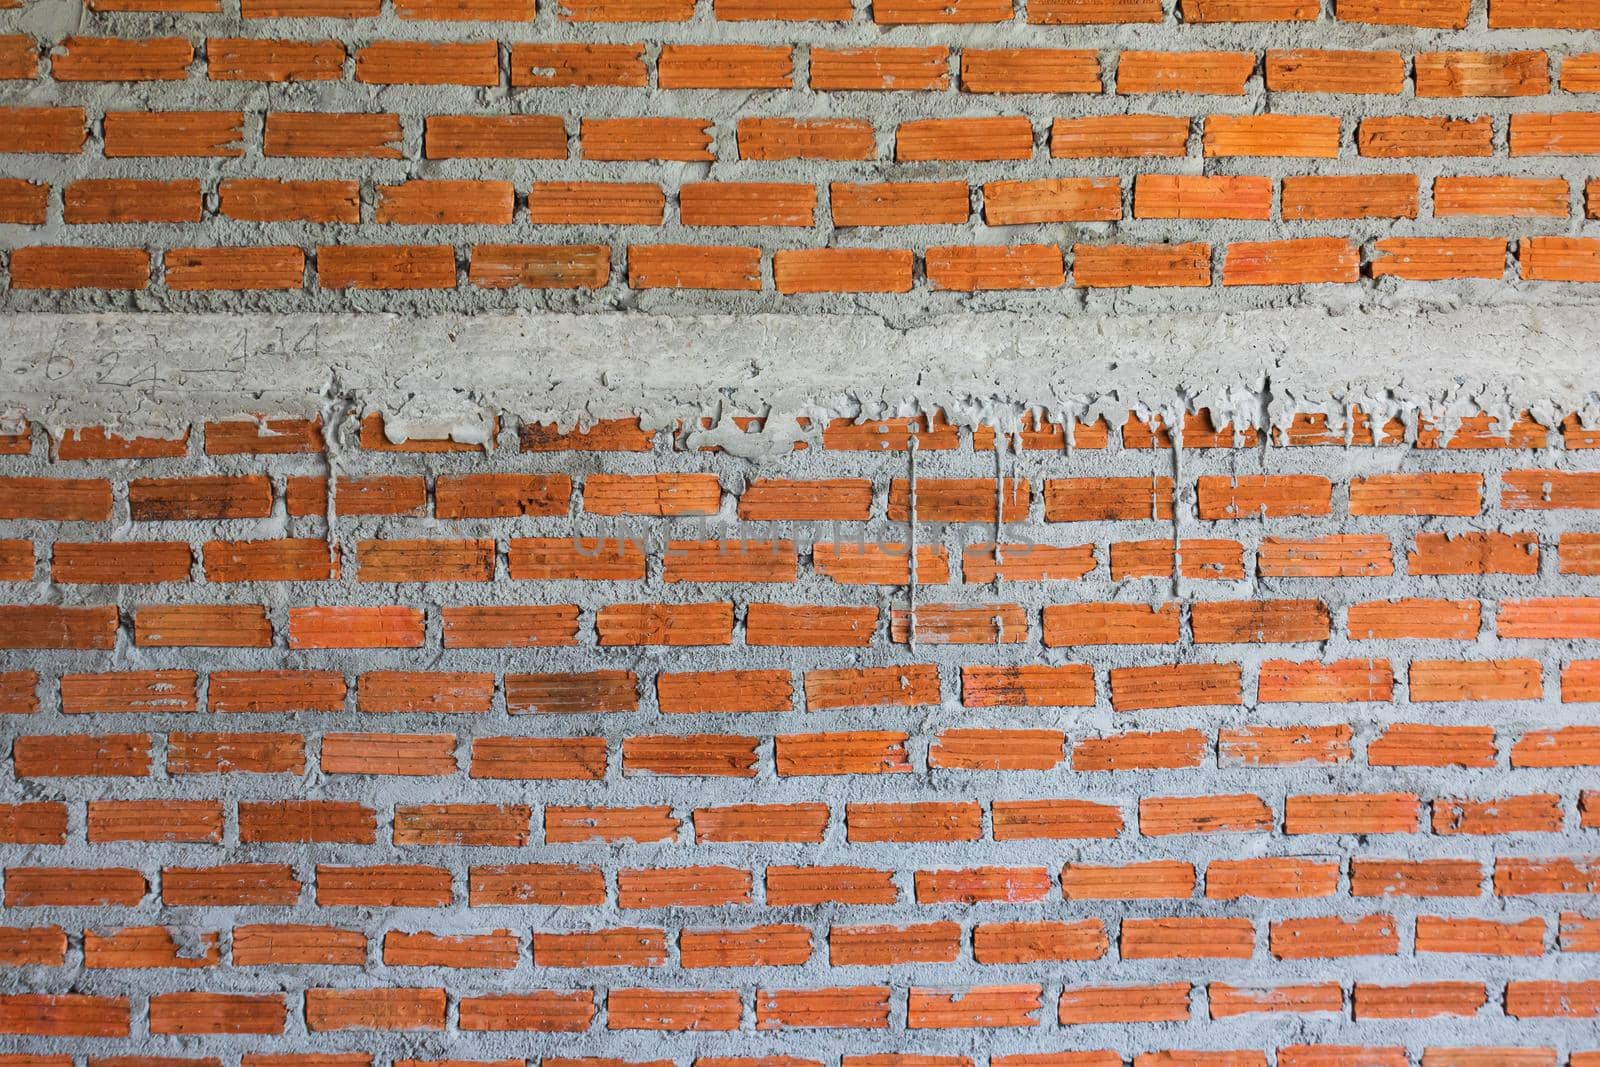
{"x":1267,"y":747}
{"x":745,"y":154}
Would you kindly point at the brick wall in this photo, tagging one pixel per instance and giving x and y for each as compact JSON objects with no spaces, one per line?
{"x":592,"y":749}
{"x":491,"y":153}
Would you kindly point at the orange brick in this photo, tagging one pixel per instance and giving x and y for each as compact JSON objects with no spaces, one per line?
{"x":419,"y":203}
{"x":1179,"y":196}
{"x":319,"y":135}
{"x":746,"y":204}
{"x":1437,"y":14}
{"x":781,"y":625}
{"x":124,"y":563}
{"x":860,"y":69}
{"x":111,"y":755}
{"x":111,"y":59}
{"x":254,"y":60}
{"x":425,"y":63}
{"x":1117,"y":266}
{"x":128,"y":692}
{"x":45,"y":130}
{"x":307,"y":821}
{"x":1326,"y":197}
{"x":1559,"y":259}
{"x":130,"y":200}
{"x":694,"y":267}
{"x":425,"y":561}
{"x":546,"y":1011}
{"x":408,"y":755}
{"x":1110,"y":624}
{"x":1119,"y":136}
{"x":725,"y":66}
{"x":1518,"y":197}
{"x":1203,"y":11}
{"x":1400,"y":136}
{"x":386,"y":267}
{"x":1355,"y":813}
{"x":213,"y":269}
{"x":842,"y":270}
{"x":1021,"y":203}
{"x":1241,"y":813}
{"x":1569,"y":133}
{"x":152,"y":134}
{"x":1268,"y":746}
{"x":1341,"y":681}
{"x":1456,"y":680}
{"x":969,"y":139}
{"x":1303,"y":136}
{"x":922,"y":12}
{"x":1090,"y":12}
{"x":539,"y":758}
{"x":1030,"y":70}
{"x":973,"y":269}
{"x":1439,"y":258}
{"x":1271,"y":878}
{"x":1333,"y":556}
{"x":782,"y":10}
{"x":1321,"y":938}
{"x":880,"y":946}
{"x":45,"y":267}
{"x":1442,"y":74}
{"x":1141,"y":751}
{"x":47,"y":626}
{"x":1310,"y":70}
{"x":1256,"y":621}
{"x":264,"y":200}
{"x":1414,"y":617}
{"x":374,"y":1009}
{"x":781,"y":139}
{"x":63,"y":1015}
{"x":549,"y":66}
{"x":540,"y":266}
{"x":1168,"y":1002}
{"x":1184,"y":72}
{"x":646,"y":139}
{"x":665,"y":624}
{"x":1186,"y":938}
{"x":1302,"y":261}
{"x":762,"y":822}
{"x":898,"y":203}
{"x":1178,"y":686}
{"x":355,"y":627}
{"x":725,"y":691}
{"x":1420,"y":1000}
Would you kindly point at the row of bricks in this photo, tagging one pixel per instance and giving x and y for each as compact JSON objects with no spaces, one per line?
{"x":509,"y":826}
{"x":350,"y":135}
{"x":1454,"y":74}
{"x":1086,"y":624}
{"x":524,"y":758}
{"x":647,"y":888}
{"x":791,"y":205}
{"x":1195,"y":430}
{"x":983,"y":501}
{"x":627,"y":559}
{"x":521,"y":758}
{"x":793,"y":945}
{"x":847,"y":1008}
{"x":1436,"y":14}
{"x":962,"y":268}
{"x":1301,"y":1055}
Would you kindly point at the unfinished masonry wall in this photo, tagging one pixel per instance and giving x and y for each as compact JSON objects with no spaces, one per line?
{"x":594,"y":746}
{"x":901,"y":155}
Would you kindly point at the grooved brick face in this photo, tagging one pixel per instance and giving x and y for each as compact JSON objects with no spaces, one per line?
{"x":911,"y":156}
{"x":1156,"y":731}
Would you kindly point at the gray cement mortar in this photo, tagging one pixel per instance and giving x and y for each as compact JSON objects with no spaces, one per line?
{"x":580,"y":368}
{"x":51,"y":20}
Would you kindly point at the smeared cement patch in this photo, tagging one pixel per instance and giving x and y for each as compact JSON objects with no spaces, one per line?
{"x":450,"y":376}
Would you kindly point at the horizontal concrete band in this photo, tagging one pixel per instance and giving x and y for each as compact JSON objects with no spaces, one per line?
{"x":450,"y":375}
